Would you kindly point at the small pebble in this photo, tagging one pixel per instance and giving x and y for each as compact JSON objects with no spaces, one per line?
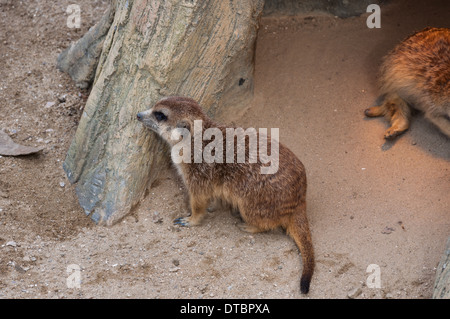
{"x":11,"y":243}
{"x":387,"y":230}
{"x":20,"y":269}
{"x":156,"y":218}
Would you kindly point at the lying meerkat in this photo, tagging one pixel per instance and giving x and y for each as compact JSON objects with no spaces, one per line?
{"x":264,"y":201}
{"x":416,"y":73}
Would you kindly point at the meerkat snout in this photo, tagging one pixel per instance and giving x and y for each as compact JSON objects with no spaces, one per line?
{"x":153,"y":119}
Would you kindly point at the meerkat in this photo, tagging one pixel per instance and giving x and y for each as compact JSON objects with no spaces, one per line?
{"x":416,"y":74}
{"x":264,"y":201}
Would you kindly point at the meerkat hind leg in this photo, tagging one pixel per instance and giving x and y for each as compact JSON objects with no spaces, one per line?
{"x":399,"y":113}
{"x":396,"y":110}
{"x":246,"y":225}
{"x":250,"y":228}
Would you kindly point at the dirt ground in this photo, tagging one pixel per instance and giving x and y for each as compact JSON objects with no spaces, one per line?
{"x":369,"y":202}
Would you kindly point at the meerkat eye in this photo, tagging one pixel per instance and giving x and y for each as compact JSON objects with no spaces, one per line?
{"x":160,"y":116}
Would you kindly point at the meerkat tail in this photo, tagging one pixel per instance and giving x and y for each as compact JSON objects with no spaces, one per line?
{"x":298,"y":229}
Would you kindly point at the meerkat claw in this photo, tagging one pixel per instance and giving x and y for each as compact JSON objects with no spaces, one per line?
{"x":181,"y":221}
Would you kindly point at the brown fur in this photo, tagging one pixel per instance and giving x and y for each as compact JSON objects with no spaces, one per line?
{"x":265,"y":201}
{"x":416,"y":73}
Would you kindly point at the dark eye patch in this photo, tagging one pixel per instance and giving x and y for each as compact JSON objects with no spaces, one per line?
{"x":160,"y":116}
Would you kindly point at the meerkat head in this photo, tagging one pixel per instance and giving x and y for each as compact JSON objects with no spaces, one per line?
{"x":172,"y":116}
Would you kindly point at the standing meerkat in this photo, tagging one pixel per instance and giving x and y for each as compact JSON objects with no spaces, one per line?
{"x":264,"y":201}
{"x":416,"y":73}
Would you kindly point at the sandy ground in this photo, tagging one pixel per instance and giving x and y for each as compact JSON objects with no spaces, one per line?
{"x":369,"y":202}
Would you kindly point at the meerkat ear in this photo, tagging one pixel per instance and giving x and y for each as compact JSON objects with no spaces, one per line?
{"x":184,"y":124}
